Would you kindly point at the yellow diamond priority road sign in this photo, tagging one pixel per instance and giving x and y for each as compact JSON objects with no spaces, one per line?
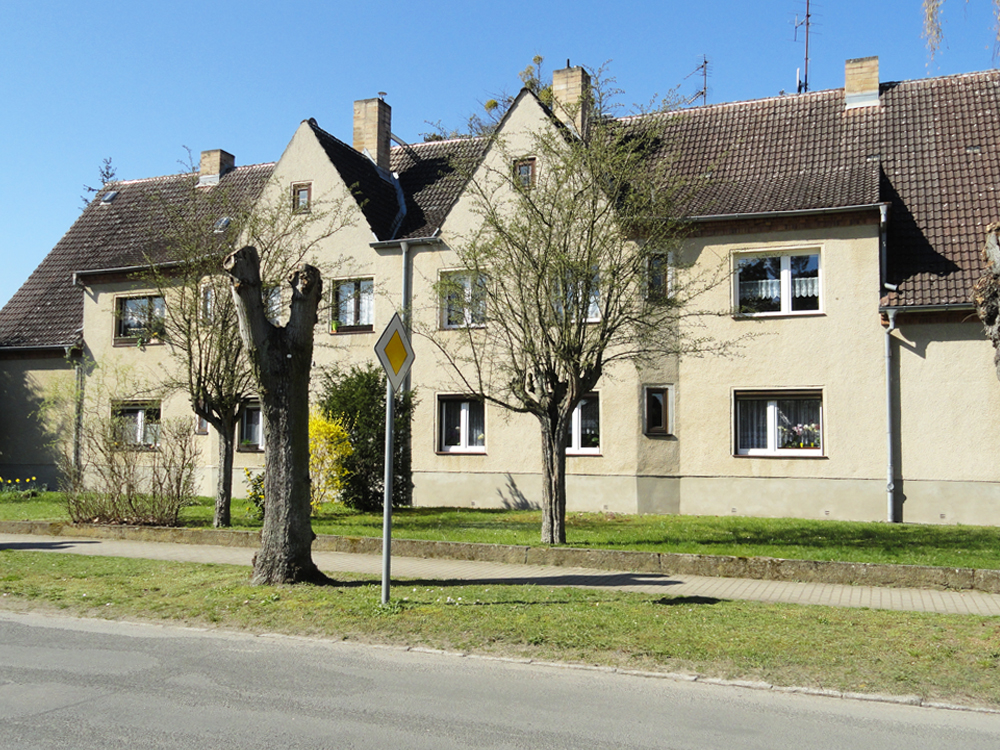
{"x":395,"y":352}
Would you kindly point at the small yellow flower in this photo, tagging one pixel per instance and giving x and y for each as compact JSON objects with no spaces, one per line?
{"x":34,"y":479}
{"x":17,"y":481}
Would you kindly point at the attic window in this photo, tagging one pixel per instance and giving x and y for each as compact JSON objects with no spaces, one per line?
{"x":109,"y":196}
{"x":222,"y":224}
{"x":301,"y":197}
{"x":524,"y":173}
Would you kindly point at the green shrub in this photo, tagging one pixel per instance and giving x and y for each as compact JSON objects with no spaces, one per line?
{"x":356,"y":397}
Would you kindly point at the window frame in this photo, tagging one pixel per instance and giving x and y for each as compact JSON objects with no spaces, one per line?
{"x":519,"y":179}
{"x":200,"y":425}
{"x":335,"y":325}
{"x":665,"y":427}
{"x":574,"y":446}
{"x":660,"y":291}
{"x":771,"y":397}
{"x":784,"y":279}
{"x":143,"y":334}
{"x":471,"y":317}
{"x":298,"y":188}
{"x":143,"y":422}
{"x":465,"y":445}
{"x":244,"y":444}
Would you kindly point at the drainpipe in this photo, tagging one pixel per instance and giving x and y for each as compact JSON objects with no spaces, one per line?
{"x":890,"y":487}
{"x":406,"y":302}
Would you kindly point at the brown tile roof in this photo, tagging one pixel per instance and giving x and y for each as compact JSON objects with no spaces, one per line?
{"x":930,"y":150}
{"x":429,"y":178}
{"x":47,"y":311}
{"x":376,"y":195}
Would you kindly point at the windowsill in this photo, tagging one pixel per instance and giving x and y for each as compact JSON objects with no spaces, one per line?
{"x":249,"y":449}
{"x":796,"y":455}
{"x":660,"y":435}
{"x":461,"y":452}
{"x":798,"y":314}
{"x":352,"y":329}
{"x":475,"y":326}
{"x":119,"y":341}
{"x":583,"y":453}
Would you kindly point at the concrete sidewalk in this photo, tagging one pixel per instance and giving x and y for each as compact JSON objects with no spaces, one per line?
{"x":442,"y":570}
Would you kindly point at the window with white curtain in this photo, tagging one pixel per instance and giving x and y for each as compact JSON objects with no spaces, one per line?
{"x":137,"y":424}
{"x":779,"y":423}
{"x":354,"y":305}
{"x":463,"y":299}
{"x":462,"y":425}
{"x":251,"y":428}
{"x":777,"y":284}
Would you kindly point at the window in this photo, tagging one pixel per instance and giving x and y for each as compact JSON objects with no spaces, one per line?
{"x":660,"y":281}
{"x":251,"y":429}
{"x":777,"y":284}
{"x":781,"y":423}
{"x":137,"y":424}
{"x":659,"y":410}
{"x":200,"y":425}
{"x":353,"y":305}
{"x":272,"y":303}
{"x":463,"y":425}
{"x":301,"y":197}
{"x":207,"y":304}
{"x":139,"y":318}
{"x":575,"y":293}
{"x":463,"y":299}
{"x":585,"y":430}
{"x":524,"y":173}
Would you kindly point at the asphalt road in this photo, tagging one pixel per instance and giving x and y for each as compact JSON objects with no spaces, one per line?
{"x":70,"y":683}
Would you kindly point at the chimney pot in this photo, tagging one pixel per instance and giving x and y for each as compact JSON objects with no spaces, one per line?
{"x":372,"y":126}
{"x":861,"y":82}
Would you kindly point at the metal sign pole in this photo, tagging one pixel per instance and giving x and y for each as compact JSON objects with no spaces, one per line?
{"x":387,"y":500}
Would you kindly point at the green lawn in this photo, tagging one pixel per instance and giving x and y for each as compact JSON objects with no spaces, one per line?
{"x":947,"y":546}
{"x":938,"y":657}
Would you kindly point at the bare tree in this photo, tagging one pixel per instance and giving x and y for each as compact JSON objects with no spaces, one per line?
{"x":933,"y":32}
{"x":281,"y":359}
{"x":572,"y":268}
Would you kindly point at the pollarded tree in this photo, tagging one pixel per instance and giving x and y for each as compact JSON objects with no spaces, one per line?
{"x":570,"y":269}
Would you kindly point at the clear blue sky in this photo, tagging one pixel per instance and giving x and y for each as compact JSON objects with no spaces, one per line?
{"x":137,"y":82}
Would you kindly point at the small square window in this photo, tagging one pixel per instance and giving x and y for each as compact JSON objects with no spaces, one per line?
{"x":659,"y":410}
{"x":779,"y":423}
{"x":137,"y":424}
{"x":251,"y":429}
{"x":777,"y":284}
{"x":140,"y":318}
{"x":524,"y":173}
{"x":301,"y":197}
{"x":353,"y":305}
{"x":585,"y":429}
{"x":463,"y":425}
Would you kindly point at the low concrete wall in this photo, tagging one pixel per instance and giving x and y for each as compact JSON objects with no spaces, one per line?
{"x":664,"y":563}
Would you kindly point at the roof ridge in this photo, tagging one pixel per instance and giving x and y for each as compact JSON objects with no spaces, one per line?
{"x":178,"y":175}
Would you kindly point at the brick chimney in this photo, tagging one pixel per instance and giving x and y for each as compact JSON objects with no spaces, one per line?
{"x":214,"y":164}
{"x":372,"y":123}
{"x":571,"y":98}
{"x":861,"y":83}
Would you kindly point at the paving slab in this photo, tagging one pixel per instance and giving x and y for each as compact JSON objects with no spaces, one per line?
{"x":473,"y":571}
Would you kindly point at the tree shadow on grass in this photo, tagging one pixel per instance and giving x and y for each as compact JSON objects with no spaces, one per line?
{"x":46,"y":546}
{"x":588,"y":581}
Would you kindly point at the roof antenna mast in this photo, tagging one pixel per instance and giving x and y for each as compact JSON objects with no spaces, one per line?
{"x":803,"y":83}
{"x":703,"y":94}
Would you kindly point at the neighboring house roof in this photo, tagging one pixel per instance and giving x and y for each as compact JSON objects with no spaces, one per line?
{"x":47,"y":311}
{"x":931,"y":150}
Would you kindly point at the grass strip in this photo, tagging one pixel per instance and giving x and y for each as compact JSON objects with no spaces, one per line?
{"x":791,"y":538}
{"x":938,"y":657}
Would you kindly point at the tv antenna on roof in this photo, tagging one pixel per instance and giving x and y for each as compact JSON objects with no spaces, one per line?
{"x":803,"y":83}
{"x":703,"y":69}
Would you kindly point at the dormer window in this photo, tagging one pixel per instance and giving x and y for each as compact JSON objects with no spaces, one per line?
{"x":108,"y":197}
{"x":301,"y":197}
{"x":524,"y":173}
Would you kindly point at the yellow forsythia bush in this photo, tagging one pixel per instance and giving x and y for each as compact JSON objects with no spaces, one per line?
{"x":329,"y":445}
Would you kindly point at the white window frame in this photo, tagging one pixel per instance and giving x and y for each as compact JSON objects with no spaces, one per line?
{"x":773,"y":427}
{"x":466,"y":443}
{"x":668,"y":404}
{"x":245,"y":444}
{"x":471,"y":318}
{"x":358,"y":295}
{"x":784,"y":280}
{"x":568,"y":288}
{"x":574,"y":446}
{"x":664,"y":290}
{"x":146,"y":434}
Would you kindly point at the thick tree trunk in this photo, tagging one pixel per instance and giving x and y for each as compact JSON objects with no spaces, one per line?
{"x":553,"y":481}
{"x":282,"y":359}
{"x":986,"y":294}
{"x":224,"y":485}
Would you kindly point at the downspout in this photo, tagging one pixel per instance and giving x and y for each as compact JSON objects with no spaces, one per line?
{"x":406,"y":301}
{"x":890,"y":487}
